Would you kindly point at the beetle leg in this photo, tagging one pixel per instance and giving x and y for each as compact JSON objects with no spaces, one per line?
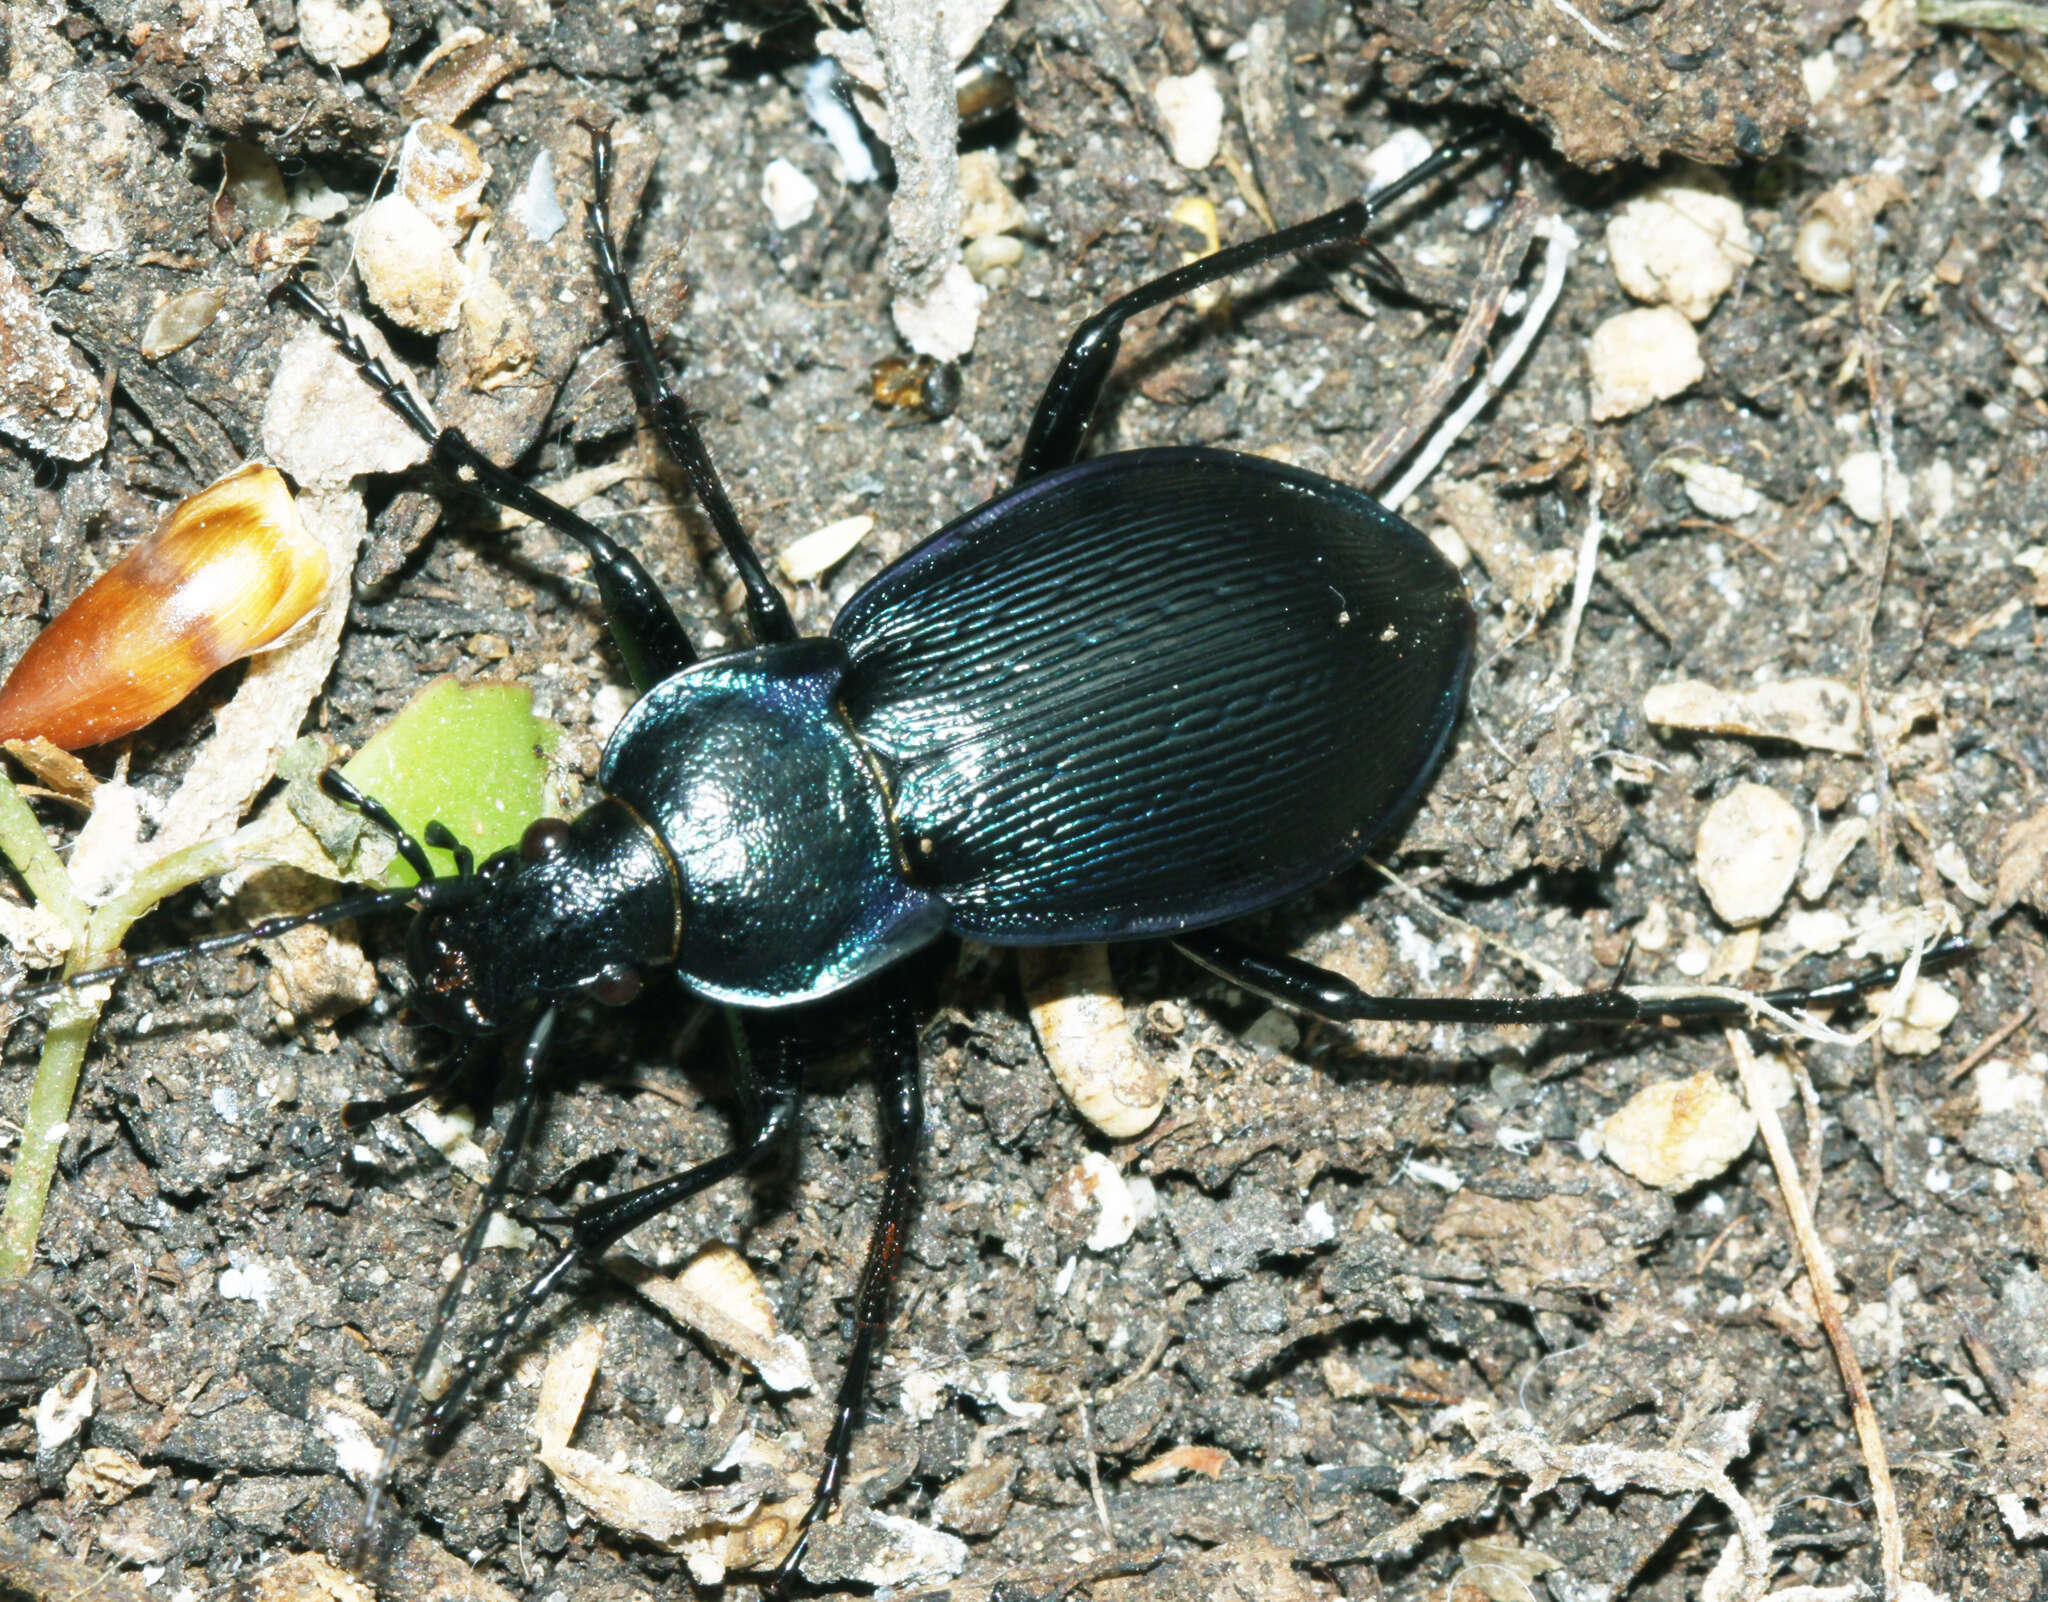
{"x":900,"y":1105}
{"x":767,"y":612}
{"x":650,"y":639}
{"x":517,"y":1126}
{"x":1307,"y":988}
{"x":596,"y":1227}
{"x":1060,"y":423}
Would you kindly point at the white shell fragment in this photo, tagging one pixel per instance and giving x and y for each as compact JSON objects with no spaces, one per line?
{"x":1748,"y":853}
{"x":824,"y":104}
{"x":1086,"y":1036}
{"x":1822,"y":714}
{"x":790,"y":196}
{"x":537,"y":208}
{"x":1930,"y":1009}
{"x":1680,"y":244}
{"x":1191,"y":107}
{"x":1836,"y":226}
{"x":1716,"y":491}
{"x":702,"y":1522}
{"x":1641,"y":357}
{"x":342,"y":36}
{"x":62,"y":1410}
{"x":409,"y":270}
{"x":441,"y":171}
{"x":1862,"y":475}
{"x":1097,"y":1185}
{"x":820,"y":550}
{"x":1680,"y":1133}
{"x":717,"y":1295}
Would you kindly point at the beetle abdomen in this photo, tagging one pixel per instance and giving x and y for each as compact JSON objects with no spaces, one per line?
{"x":1154,"y":691}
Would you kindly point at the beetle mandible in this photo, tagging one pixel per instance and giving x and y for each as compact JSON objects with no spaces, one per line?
{"x":1136,"y":695}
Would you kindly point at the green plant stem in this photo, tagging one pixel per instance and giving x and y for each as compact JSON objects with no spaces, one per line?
{"x":22,"y":842}
{"x":96,"y":936}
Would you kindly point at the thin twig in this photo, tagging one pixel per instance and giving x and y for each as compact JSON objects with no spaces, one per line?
{"x":1554,"y":977}
{"x":1560,"y":242}
{"x":1497,"y":275}
{"x":1820,"y":1277}
{"x":1588,"y":564}
{"x":1597,"y":34}
{"x":1989,"y":1044}
{"x":1095,"y":1492}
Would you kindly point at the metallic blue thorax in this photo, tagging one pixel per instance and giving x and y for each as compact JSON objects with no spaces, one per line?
{"x":791,"y":880}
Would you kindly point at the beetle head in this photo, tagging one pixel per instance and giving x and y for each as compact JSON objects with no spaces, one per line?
{"x":578,"y":909}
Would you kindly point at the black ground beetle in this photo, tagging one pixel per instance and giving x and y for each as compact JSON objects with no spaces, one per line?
{"x":1134,"y":696}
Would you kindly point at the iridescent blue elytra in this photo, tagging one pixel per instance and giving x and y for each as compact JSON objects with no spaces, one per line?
{"x":1137,"y":696}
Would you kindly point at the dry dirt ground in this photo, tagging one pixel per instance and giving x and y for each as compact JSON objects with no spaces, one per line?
{"x":1393,"y":1323}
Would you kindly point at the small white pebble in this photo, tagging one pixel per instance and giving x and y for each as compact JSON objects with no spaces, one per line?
{"x":1930,"y":1009}
{"x":248,"y":1281}
{"x":1680,"y":244}
{"x":1680,"y":1133}
{"x":1394,"y":157}
{"x":1714,"y":490}
{"x":1192,"y":109}
{"x":2003,"y":1088}
{"x":607,"y":707}
{"x":1641,"y":357}
{"x":342,"y":36}
{"x":1748,"y":853}
{"x":791,"y":197}
{"x":1988,"y":176}
{"x":1862,"y":475}
{"x":1272,"y":1030}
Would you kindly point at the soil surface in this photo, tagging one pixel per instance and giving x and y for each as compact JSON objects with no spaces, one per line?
{"x":1392,"y":1321}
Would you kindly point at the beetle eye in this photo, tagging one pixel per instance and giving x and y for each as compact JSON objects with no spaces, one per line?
{"x":615,"y":985}
{"x":543,"y":838}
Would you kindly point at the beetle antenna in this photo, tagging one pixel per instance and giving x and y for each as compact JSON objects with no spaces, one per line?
{"x":433,"y":888}
{"x":338,"y":785}
{"x":360,"y":906}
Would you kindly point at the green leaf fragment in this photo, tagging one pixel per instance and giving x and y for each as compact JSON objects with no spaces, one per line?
{"x":471,"y":756}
